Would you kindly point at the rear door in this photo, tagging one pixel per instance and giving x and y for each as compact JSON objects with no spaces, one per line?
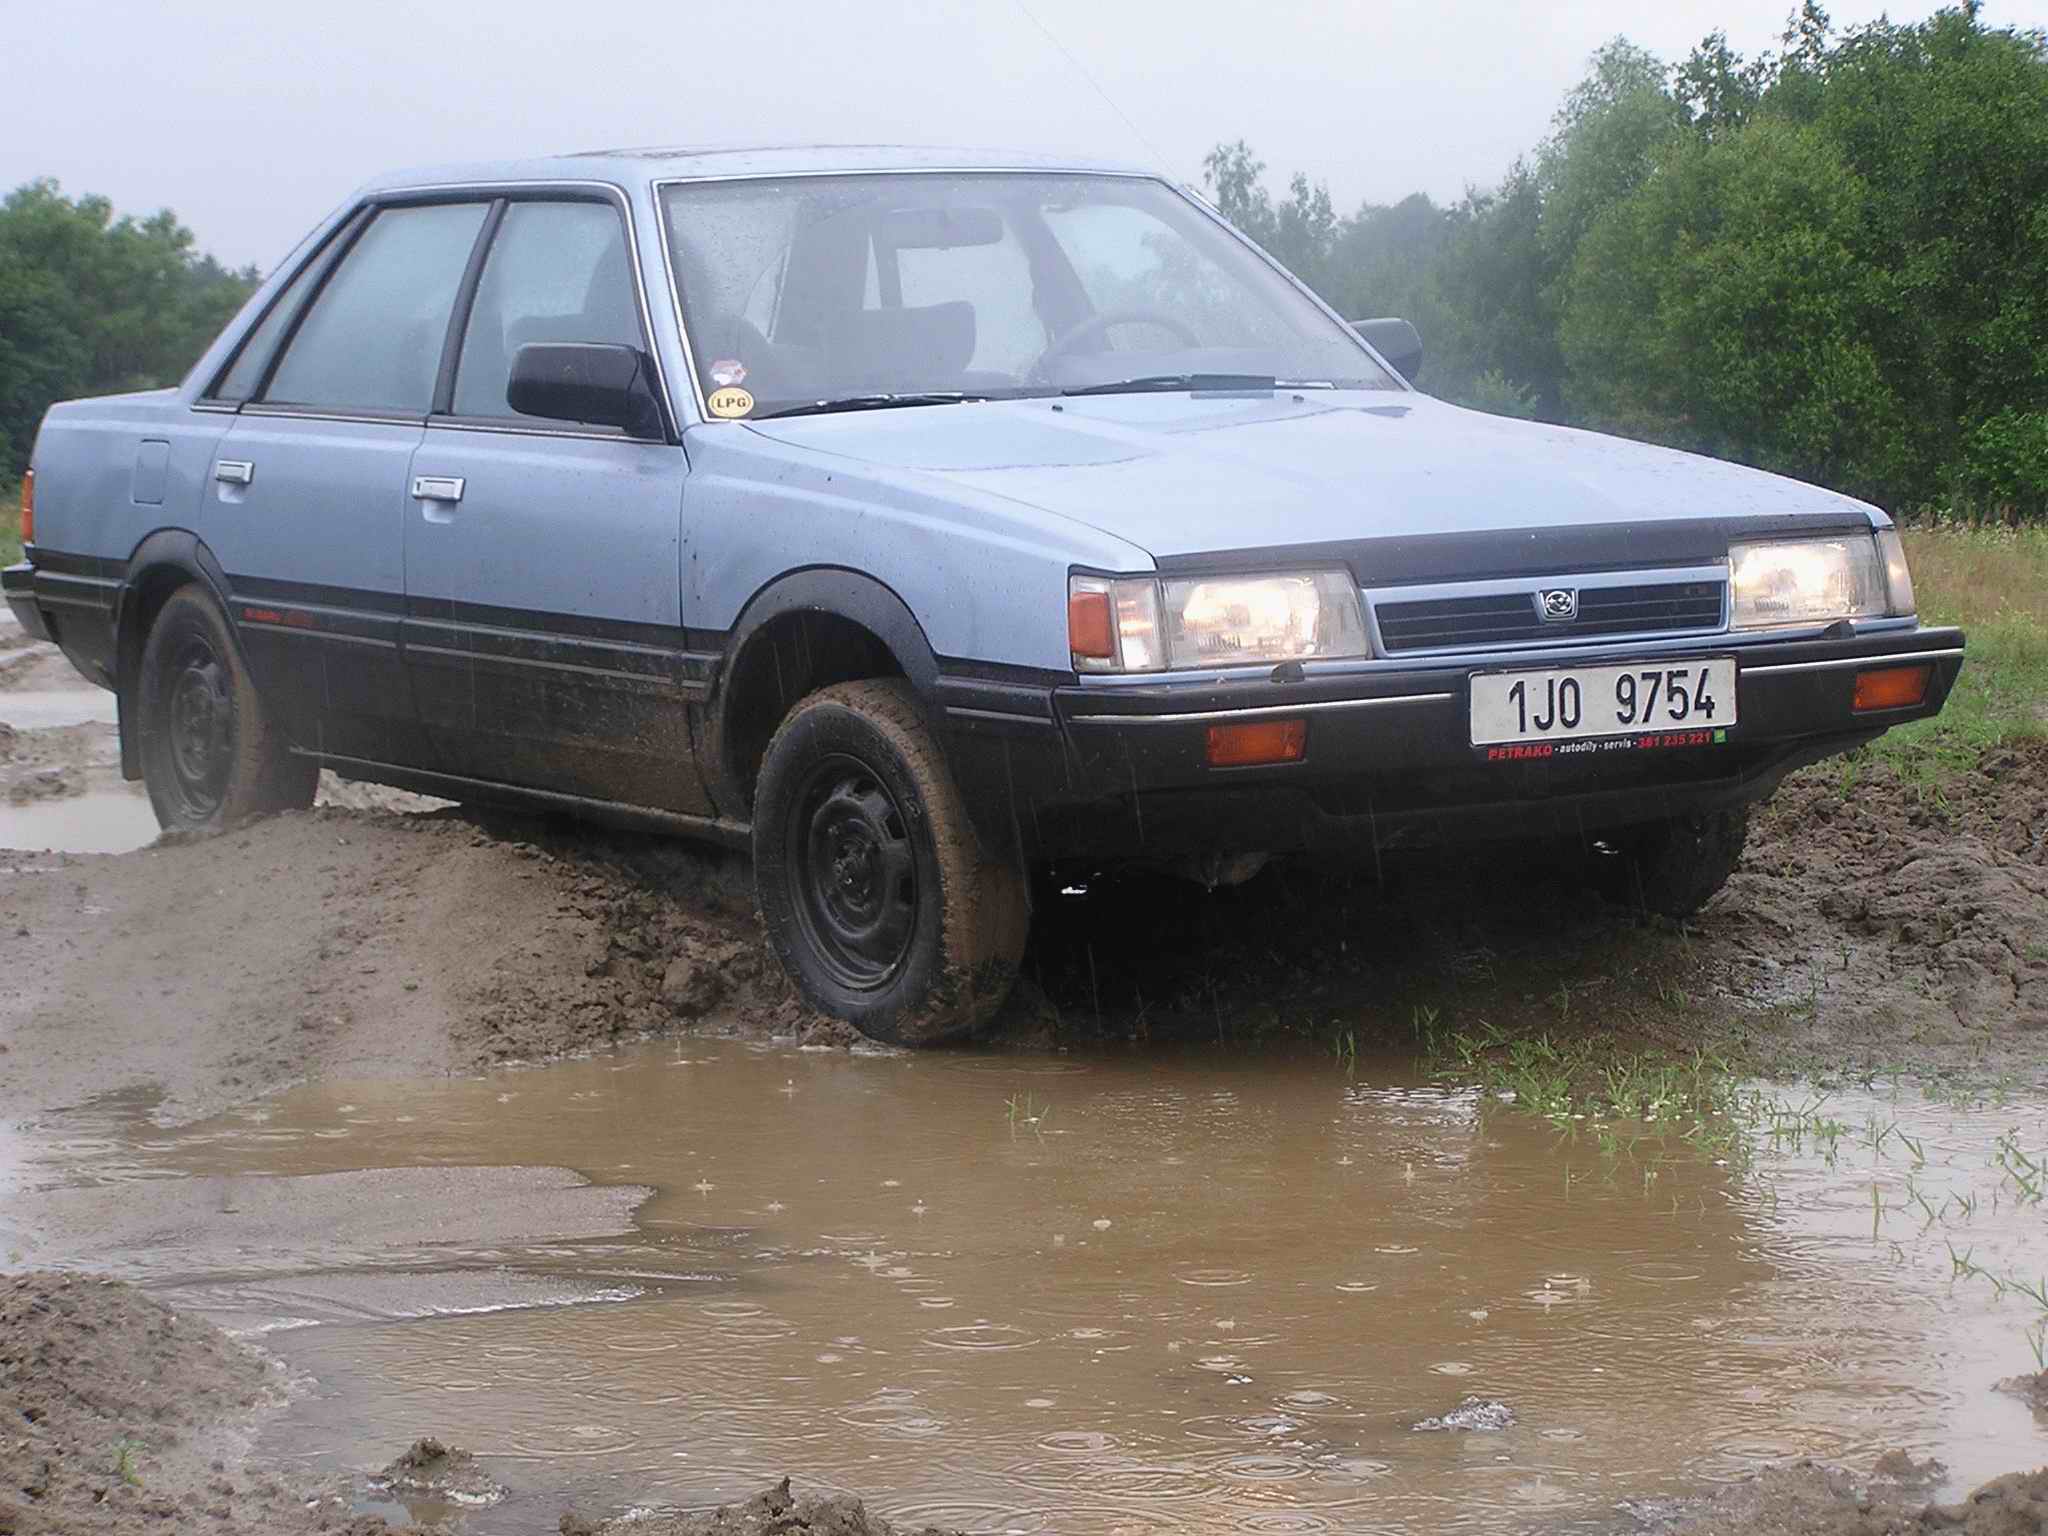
{"x":308,"y":495}
{"x":543,"y":628}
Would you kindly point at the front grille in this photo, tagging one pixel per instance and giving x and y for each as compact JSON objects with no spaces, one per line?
{"x":1511,"y":618}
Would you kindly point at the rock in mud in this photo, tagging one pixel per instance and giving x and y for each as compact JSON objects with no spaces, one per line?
{"x":432,"y":1469}
{"x":1475,"y":1413}
{"x":2032,"y":1390}
{"x":772,"y":1512}
{"x":696,"y":978}
{"x":1899,"y":1467}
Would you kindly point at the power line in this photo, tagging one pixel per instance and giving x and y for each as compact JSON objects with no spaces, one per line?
{"x":1082,"y":70}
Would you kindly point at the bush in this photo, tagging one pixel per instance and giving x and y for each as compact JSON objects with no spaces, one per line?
{"x":2005,"y":466}
{"x":1496,"y":393}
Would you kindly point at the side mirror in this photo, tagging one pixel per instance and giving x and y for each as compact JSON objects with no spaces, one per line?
{"x":1395,"y":340}
{"x":597,"y":385}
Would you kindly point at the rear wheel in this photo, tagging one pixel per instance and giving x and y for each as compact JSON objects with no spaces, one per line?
{"x":1674,"y":866}
{"x":872,"y":882}
{"x":210,"y":754}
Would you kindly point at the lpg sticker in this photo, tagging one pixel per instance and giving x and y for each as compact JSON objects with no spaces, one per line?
{"x":728,"y":372}
{"x":727,"y":404}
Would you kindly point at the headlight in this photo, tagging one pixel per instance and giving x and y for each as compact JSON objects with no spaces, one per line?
{"x":1136,"y":624}
{"x":1810,"y":581}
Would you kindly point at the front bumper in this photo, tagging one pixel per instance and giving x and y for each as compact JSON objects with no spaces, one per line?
{"x":1389,"y":758}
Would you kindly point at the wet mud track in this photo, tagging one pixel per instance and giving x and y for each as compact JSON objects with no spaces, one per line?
{"x":1147,"y":1258}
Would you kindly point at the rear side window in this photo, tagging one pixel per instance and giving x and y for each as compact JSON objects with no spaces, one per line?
{"x":241,"y":379}
{"x":372,"y":340}
{"x":555,"y":272}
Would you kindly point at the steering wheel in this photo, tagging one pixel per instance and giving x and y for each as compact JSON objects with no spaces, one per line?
{"x":1095,"y":325}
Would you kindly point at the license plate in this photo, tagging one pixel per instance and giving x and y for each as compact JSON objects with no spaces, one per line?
{"x":1570,"y":703}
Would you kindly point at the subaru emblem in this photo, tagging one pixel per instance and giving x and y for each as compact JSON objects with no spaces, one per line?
{"x":1558,"y":605}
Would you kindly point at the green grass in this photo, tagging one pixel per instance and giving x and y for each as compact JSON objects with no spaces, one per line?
{"x":1993,"y":582}
{"x":10,"y":526}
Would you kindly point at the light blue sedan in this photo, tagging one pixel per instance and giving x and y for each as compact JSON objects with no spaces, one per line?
{"x":922,"y":522}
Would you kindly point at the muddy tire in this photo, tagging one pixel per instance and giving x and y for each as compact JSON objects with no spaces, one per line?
{"x":211,"y":756}
{"x":872,"y":883}
{"x":1673,"y":867}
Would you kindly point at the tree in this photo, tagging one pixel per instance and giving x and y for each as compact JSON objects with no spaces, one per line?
{"x":1725,"y":307}
{"x":92,"y":304}
{"x":1299,"y":232}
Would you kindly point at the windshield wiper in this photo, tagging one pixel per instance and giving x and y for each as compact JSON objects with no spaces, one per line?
{"x":872,"y":403}
{"x":1155,"y":383}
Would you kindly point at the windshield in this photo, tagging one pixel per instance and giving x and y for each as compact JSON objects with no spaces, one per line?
{"x":802,"y":292}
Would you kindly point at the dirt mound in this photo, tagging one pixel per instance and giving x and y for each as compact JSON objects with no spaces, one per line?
{"x":772,"y":1512}
{"x":118,"y":1416}
{"x":656,"y":934}
{"x":1920,"y":913}
{"x":339,"y":943}
{"x":1804,"y":1498}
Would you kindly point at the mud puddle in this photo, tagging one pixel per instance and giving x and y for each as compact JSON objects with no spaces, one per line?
{"x":1083,"y":1294}
{"x":112,"y":820}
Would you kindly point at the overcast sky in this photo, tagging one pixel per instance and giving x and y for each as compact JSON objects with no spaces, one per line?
{"x":253,"y":117}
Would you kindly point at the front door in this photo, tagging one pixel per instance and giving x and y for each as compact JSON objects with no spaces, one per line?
{"x":306,"y":508}
{"x":543,"y":628}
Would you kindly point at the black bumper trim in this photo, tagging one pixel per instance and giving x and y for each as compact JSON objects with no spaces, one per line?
{"x":17,"y":585}
{"x":1901,"y":658}
{"x":1191,"y":716}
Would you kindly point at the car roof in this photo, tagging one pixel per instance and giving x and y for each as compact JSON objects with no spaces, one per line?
{"x":639,"y":166}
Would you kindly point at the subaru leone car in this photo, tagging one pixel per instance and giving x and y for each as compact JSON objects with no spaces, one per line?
{"x":923,"y":522}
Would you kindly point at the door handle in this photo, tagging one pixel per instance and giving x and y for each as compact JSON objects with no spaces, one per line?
{"x":437,"y":487}
{"x":234,"y":472}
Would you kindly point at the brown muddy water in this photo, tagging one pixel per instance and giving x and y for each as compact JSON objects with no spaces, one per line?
{"x":111,"y":820}
{"x":1111,"y":1294}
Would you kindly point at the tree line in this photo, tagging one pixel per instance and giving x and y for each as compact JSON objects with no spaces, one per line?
{"x":91,"y":304}
{"x":1829,"y":260}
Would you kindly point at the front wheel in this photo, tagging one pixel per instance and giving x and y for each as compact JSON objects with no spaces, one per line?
{"x":872,"y":882}
{"x":1674,"y":866}
{"x":211,"y":756}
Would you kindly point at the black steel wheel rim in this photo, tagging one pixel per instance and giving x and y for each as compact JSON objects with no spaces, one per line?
{"x":854,"y":873}
{"x":198,"y":713}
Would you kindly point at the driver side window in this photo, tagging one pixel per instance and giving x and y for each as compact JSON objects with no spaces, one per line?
{"x":1126,"y":259}
{"x":555,"y":272}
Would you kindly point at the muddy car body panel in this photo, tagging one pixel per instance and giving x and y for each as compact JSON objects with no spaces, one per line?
{"x":857,"y":414}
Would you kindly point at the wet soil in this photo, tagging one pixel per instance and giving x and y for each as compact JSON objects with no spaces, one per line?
{"x":1807,"y":1499}
{"x":774,"y":1511}
{"x":1876,"y":925}
{"x":119,"y":1416}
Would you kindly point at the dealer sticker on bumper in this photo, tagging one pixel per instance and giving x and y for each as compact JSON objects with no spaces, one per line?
{"x":1564,"y":704}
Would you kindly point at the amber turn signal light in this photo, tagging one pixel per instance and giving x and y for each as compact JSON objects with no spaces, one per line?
{"x":1891,"y":688}
{"x":28,"y":508}
{"x":1091,"y":626}
{"x":1261,"y":741}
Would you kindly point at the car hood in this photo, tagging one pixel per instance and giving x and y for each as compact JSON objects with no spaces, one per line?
{"x":1176,"y":474}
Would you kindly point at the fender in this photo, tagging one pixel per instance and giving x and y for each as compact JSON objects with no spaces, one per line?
{"x":850,"y":595}
{"x":825,"y":590}
{"x":180,"y":556}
